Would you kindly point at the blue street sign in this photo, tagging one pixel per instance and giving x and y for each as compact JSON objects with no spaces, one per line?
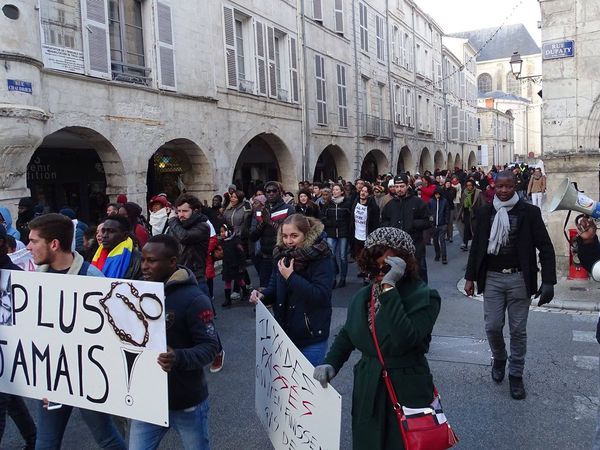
{"x":20,"y":86}
{"x":555,"y":50}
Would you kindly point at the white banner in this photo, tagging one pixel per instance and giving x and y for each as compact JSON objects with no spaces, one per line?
{"x":293,"y":407}
{"x":85,"y":341}
{"x":23,"y":259}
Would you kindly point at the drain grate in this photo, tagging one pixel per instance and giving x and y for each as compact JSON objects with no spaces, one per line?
{"x":576,"y":288}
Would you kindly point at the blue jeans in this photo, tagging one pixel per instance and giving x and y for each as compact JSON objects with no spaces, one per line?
{"x":315,"y":353}
{"x":339,"y":250}
{"x":52,"y":424}
{"x":191,"y":425}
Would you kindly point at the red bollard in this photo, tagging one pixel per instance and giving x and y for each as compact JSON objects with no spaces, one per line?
{"x":576,"y":271}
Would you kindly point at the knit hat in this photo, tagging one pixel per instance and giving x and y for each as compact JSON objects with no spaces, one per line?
{"x":68,"y":212}
{"x":26,"y":202}
{"x":160,"y":199}
{"x":122,"y":199}
{"x":393,"y":238}
{"x":260,"y":199}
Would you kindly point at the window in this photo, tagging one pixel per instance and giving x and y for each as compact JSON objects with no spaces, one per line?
{"x":239,"y":48}
{"x":418,"y":62}
{"x":438,"y":74}
{"x":396,"y":45}
{"x":484,"y":83}
{"x":294,"y":96}
{"x":364,"y":28}
{"x":339,"y":16}
{"x":513,"y":86}
{"x":365,"y":95}
{"x":342,"y":100}
{"x":126,"y":39}
{"x":408,"y":107}
{"x":407,"y":52}
{"x":379,"y":31}
{"x":454,"y":123}
{"x":321,"y":88}
{"x":317,"y":10}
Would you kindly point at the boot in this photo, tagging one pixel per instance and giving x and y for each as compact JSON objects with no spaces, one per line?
{"x":517,"y":388}
{"x":227,"y":302}
{"x":498,"y":369}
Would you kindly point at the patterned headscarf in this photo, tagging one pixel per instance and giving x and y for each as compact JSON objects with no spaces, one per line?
{"x":391,"y":237}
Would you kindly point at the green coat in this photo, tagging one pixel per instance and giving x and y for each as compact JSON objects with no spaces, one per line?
{"x":404,"y":324}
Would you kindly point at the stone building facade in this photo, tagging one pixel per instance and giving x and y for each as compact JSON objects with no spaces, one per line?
{"x":496,"y":142}
{"x":141,"y":97}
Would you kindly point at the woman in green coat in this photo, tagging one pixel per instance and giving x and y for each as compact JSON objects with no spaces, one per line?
{"x":405,"y":313}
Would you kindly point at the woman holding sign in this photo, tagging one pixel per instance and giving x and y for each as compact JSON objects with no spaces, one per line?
{"x":300,"y":287}
{"x":402,"y":309}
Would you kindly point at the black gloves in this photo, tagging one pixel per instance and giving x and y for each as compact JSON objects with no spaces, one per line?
{"x":546,"y":294}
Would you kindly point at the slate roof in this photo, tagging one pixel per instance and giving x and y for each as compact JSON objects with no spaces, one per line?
{"x":510,"y":39}
{"x":500,"y":95}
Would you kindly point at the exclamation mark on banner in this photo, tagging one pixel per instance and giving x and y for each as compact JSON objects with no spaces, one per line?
{"x":130,"y":357}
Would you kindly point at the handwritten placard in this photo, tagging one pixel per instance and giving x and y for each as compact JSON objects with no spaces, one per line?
{"x":297,"y":412}
{"x":88,"y":342}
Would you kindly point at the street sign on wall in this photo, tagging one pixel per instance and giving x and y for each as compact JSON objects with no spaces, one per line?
{"x":556,"y":50}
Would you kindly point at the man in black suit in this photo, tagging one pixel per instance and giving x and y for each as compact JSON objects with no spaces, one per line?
{"x":503,"y":262}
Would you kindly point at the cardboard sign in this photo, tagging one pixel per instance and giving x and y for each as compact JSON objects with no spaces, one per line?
{"x":23,"y":259}
{"x":292,"y":406}
{"x":88,"y":342}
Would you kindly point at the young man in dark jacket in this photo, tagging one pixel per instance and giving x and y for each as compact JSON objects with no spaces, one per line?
{"x":189,"y":226}
{"x":409,"y":213}
{"x":191,"y":345}
{"x":503,"y":262}
{"x":268,"y":221}
{"x":440,"y":215}
{"x":12,"y":404}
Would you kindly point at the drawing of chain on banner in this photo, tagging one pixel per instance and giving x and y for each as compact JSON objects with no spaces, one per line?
{"x":89,"y":342}
{"x":293,"y":407}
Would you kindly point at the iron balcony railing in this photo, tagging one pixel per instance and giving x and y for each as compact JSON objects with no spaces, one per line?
{"x":375,"y":127}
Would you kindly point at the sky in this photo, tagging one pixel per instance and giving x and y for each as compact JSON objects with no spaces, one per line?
{"x":466,"y":15}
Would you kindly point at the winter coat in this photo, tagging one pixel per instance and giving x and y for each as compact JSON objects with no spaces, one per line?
{"x":427,"y":192}
{"x":460,"y":215}
{"x":532,"y":235}
{"x":302,"y":303}
{"x":193,"y":235}
{"x":234,"y":258}
{"x":213,"y":243}
{"x":449,"y":194}
{"x":237,"y":219}
{"x":407,"y":213}
{"x":308,"y":210}
{"x":440,"y":211}
{"x":337,"y":218}
{"x":267,"y":224}
{"x":76,"y":267}
{"x":373,"y":216}
{"x":536,"y":185}
{"x":192,"y":335}
{"x":404,"y":324}
{"x":10,"y":230}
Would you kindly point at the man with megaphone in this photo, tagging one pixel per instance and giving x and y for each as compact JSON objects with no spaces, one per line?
{"x":503,"y":262}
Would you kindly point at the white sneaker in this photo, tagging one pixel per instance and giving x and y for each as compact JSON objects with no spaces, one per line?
{"x":235,"y":296}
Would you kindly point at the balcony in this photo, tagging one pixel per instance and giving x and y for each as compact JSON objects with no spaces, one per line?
{"x":130,"y":73}
{"x":374,"y":127}
{"x":246,"y":86}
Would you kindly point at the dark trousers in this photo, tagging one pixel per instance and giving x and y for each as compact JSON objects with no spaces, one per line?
{"x":439,"y":240}
{"x":421,"y":260}
{"x":468,"y":233}
{"x":18,"y":412}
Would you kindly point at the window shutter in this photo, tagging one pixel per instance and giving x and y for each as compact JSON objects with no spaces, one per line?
{"x":261,"y":62}
{"x":166,"y":47}
{"x":339,"y":16}
{"x":272,"y":65}
{"x":317,"y":10}
{"x":293,"y":71}
{"x":96,"y":46}
{"x":230,"y":53}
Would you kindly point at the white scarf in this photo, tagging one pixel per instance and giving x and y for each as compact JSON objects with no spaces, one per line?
{"x":501,"y":225}
{"x":158,"y":220}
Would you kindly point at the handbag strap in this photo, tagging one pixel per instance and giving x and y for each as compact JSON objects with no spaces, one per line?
{"x":388,"y":383}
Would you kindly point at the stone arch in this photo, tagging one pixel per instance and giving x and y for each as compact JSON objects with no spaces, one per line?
{"x":458,"y":161}
{"x":591,"y":139}
{"x":472,"y":160}
{"x":450,"y":161}
{"x":332,"y":162}
{"x":405,"y":161}
{"x":374,"y":163}
{"x":265,"y":157}
{"x":425,"y":161}
{"x":438,"y":160}
{"x":76,"y":167}
{"x":178,"y":165}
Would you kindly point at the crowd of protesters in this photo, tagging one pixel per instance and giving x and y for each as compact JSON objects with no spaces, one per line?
{"x":299,"y":245}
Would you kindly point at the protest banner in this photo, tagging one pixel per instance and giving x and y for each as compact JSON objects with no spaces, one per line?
{"x":297,"y":412}
{"x":89,"y":342}
{"x":23,"y":259}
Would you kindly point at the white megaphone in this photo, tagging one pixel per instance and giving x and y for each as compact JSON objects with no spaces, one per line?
{"x":567,"y":197}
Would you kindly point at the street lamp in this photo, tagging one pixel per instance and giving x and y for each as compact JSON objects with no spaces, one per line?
{"x":516,"y":66}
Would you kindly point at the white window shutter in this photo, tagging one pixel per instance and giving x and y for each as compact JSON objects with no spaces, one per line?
{"x":230,"y":53}
{"x":317,"y":10}
{"x":94,"y":17}
{"x":271,"y":61}
{"x":166,"y":47}
{"x":339,"y":16}
{"x":261,"y":60}
{"x":294,"y":97}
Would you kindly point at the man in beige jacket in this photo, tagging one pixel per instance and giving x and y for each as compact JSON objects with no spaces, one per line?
{"x":537,"y":187}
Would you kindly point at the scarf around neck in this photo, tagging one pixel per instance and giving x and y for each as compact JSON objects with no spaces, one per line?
{"x":501,"y":225}
{"x":158,"y":221}
{"x":303,"y":256}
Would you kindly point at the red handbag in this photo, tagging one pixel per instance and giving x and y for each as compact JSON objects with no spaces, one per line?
{"x":421,"y":428}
